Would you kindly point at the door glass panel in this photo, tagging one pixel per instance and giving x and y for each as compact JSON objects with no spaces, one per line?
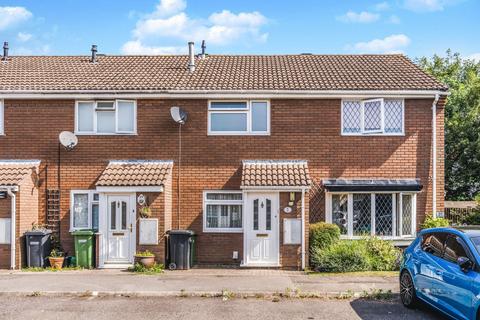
{"x":362,"y":216}
{"x":269,"y":214}
{"x":124,"y":215}
{"x":255,"y":214}
{"x":340,"y":211}
{"x":113,"y":215}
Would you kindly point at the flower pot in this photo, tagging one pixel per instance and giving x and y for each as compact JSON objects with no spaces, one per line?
{"x":147,"y":262}
{"x":56,"y":263}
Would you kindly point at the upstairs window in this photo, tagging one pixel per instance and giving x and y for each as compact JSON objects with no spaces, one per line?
{"x":2,"y":126}
{"x":373,"y":117}
{"x":105,"y":117}
{"x":250,"y":117}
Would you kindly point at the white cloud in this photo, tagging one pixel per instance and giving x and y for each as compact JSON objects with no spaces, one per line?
{"x":475,"y":57}
{"x":24,"y":36}
{"x":382,"y":6}
{"x":361,"y":17}
{"x":427,"y":5}
{"x":135,"y":47}
{"x":170,"y":23}
{"x":11,"y":16}
{"x":394,"y":19}
{"x":391,"y":44}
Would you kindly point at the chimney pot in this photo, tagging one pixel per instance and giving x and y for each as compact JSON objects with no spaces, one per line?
{"x":5,"y":51}
{"x":191,"y":55}
{"x":94,"y":54}
{"x":204,"y":47}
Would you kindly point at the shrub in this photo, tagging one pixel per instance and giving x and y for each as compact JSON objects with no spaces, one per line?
{"x":472,"y":219}
{"x":342,"y":256}
{"x":431,"y":222}
{"x":323,"y":235}
{"x":369,"y":254}
{"x":383,"y":254}
{"x":140,"y":268}
{"x":146,"y":253}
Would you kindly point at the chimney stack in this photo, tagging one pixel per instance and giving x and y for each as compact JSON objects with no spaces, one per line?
{"x":191,"y":57}
{"x":204,"y":47}
{"x":5,"y":51}
{"x":94,"y":54}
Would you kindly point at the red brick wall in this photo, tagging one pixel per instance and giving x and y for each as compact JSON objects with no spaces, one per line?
{"x":27,"y":214}
{"x":300,"y":129}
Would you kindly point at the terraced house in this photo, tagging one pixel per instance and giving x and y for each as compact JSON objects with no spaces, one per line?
{"x":271,"y":144}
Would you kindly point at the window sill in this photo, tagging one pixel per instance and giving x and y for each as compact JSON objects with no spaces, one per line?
{"x":373,"y":134}
{"x":105,"y":134}
{"x":237,"y":134}
{"x":222,"y":230}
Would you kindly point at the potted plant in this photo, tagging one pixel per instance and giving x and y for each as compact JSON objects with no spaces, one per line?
{"x":56,"y":259}
{"x":145,"y":258}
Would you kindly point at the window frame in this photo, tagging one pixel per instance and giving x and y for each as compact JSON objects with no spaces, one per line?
{"x":247,"y":110}
{"x":362,"y":120}
{"x":95,"y":117}
{"x":91,"y":202}
{"x":222,"y":202}
{"x":395,"y":195}
{"x":2,"y":117}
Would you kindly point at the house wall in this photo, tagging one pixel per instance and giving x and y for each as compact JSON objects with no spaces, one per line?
{"x":27,"y":214}
{"x":300,"y":129}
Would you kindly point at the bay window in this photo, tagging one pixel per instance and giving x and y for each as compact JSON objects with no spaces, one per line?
{"x":105,"y":117}
{"x":222,"y":211}
{"x":373,"y":117}
{"x":84,"y":206}
{"x":249,"y":117}
{"x":383,"y":214}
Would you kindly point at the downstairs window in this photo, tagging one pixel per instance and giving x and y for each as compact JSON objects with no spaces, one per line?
{"x":222,"y":211}
{"x":388,"y":215}
{"x":84,"y":205}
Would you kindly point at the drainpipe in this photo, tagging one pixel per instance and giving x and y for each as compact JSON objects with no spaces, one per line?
{"x":13,"y":229}
{"x":303,"y":228}
{"x":434,"y":156}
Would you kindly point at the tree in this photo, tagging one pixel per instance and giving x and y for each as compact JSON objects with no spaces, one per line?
{"x":462,"y":123}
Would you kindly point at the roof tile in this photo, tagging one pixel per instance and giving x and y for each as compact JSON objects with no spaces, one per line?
{"x":275,"y":173}
{"x":135,"y":173}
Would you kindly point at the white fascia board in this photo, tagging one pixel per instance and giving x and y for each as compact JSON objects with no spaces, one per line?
{"x":267,"y":189}
{"x":226,"y":94}
{"x":11,"y":188}
{"x":114,"y":189}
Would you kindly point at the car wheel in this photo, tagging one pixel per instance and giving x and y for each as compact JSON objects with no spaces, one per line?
{"x":407,"y":290}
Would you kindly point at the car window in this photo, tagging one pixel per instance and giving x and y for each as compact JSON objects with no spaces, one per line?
{"x":454,"y":249}
{"x":433,"y":243}
{"x":476,"y":243}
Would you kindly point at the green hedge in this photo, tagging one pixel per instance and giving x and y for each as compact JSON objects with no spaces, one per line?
{"x":431,"y":222}
{"x":329,"y":254}
{"x":323,"y":234}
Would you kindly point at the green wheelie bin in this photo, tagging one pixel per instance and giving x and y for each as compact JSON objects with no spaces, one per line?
{"x":84,"y":248}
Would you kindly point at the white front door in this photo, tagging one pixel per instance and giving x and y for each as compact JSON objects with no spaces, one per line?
{"x":261,"y":230}
{"x":120,"y":222}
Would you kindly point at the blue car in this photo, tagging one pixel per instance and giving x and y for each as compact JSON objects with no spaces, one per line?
{"x":441,"y":267}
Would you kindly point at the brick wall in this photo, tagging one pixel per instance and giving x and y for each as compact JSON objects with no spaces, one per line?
{"x":300,"y":129}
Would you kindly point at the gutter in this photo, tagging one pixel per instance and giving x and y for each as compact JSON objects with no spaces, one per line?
{"x":216,"y":94}
{"x":434,"y":156}
{"x":13,"y":229}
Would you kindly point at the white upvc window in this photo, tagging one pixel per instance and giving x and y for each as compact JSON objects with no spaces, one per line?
{"x":5,"y":229}
{"x":239,"y":117}
{"x":373,"y":117}
{"x":222,"y":211}
{"x":2,"y":118}
{"x":106,"y":117}
{"x":84,"y":209}
{"x":389,"y":215}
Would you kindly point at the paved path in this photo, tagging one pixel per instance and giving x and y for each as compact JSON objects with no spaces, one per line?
{"x":194,"y":282}
{"x":120,"y":308}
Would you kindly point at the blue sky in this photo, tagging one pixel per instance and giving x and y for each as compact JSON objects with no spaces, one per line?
{"x":414,"y":27}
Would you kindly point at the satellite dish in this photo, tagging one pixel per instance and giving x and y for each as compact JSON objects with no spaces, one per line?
{"x":178,"y":115}
{"x":68,"y":140}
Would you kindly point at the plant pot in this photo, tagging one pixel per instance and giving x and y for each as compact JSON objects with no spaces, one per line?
{"x":56,"y":263}
{"x":147,"y":262}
